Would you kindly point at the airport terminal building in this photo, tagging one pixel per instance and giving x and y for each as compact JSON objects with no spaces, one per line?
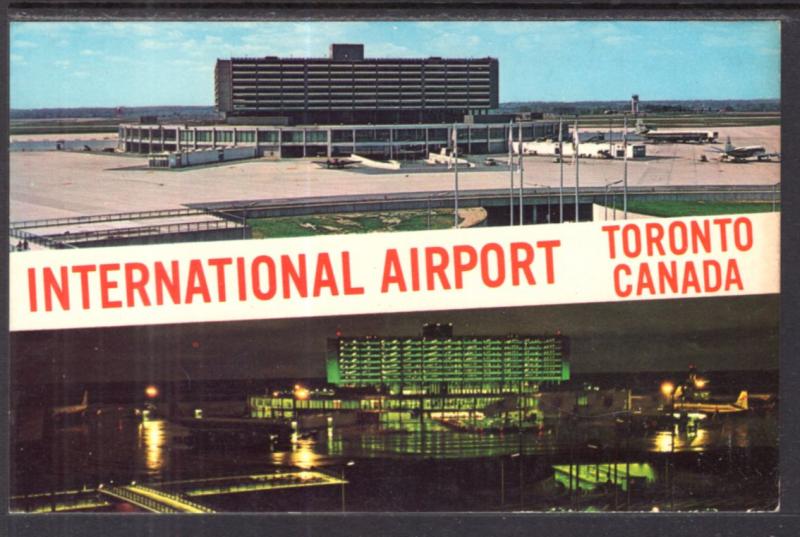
{"x":344,"y":104}
{"x":400,"y":142}
{"x":348,"y":88}
{"x":465,"y":382}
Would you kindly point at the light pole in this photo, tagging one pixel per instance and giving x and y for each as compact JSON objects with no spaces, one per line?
{"x":511,"y":173}
{"x":668,"y":389}
{"x":577,"y":171}
{"x":344,"y":482}
{"x":519,"y":435}
{"x":605,"y":197}
{"x":455,"y":172}
{"x":521,"y":496}
{"x":520,"y":174}
{"x":625,"y":167}
{"x":561,"y":168}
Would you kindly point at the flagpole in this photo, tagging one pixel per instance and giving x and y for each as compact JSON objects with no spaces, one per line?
{"x":577,"y":172}
{"x":561,"y":161}
{"x":455,"y":170}
{"x":520,"y":174}
{"x":511,"y":168}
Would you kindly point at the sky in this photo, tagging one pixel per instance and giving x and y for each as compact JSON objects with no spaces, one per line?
{"x":109,"y":64}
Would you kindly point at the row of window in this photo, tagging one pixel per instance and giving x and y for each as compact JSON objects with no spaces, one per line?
{"x":378,"y":135}
{"x":345,"y":136}
{"x":455,"y":376}
{"x":256,"y":96}
{"x":453,"y":363}
{"x":516,"y":351}
{"x":449,"y":346}
{"x":324,"y":73}
{"x":361,"y":66}
{"x":361,"y":89}
{"x":366,"y":81}
{"x":264,"y":98}
{"x":355,"y":89}
{"x":464,"y":356}
{"x":430,"y":104}
{"x":379,"y":343}
{"x":476,"y":369}
{"x":363,"y":81}
{"x":444,"y":403}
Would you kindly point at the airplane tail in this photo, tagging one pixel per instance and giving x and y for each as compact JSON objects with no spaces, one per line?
{"x":85,"y":400}
{"x":742,"y":400}
{"x":728,"y":145}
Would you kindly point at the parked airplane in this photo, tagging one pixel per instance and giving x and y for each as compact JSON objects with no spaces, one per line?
{"x":742,"y":153}
{"x":674,"y":135}
{"x":741,"y":405}
{"x":336,"y":163}
{"x":71,"y":410}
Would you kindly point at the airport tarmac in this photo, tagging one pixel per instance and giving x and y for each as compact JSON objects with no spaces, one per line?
{"x":16,"y":138}
{"x":55,"y":184}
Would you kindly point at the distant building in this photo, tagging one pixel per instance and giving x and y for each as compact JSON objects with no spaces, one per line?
{"x":347,"y":88}
{"x":635,"y":105}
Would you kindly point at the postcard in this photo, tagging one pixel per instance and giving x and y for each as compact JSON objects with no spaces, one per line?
{"x":413,"y":266}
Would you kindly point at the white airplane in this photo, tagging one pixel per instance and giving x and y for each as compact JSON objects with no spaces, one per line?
{"x":71,"y":410}
{"x":742,"y":153}
{"x":676,"y":136}
{"x":740,"y":405}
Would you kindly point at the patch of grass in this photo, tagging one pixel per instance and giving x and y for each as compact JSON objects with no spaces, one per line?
{"x":697,"y":208}
{"x":306,"y":226}
{"x":63,"y":129}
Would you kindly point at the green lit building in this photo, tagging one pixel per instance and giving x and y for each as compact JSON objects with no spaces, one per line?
{"x":470,"y":382}
{"x":439,"y":363}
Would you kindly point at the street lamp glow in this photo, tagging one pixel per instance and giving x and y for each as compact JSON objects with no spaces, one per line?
{"x":667,"y":388}
{"x":151,"y":392}
{"x":301,"y":393}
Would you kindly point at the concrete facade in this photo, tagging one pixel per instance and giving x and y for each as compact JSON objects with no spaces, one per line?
{"x":347,"y":88}
{"x":400,"y":142}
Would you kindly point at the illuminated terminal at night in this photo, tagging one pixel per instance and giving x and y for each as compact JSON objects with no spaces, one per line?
{"x":486,"y":382}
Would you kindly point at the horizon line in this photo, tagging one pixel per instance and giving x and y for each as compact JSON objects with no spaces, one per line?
{"x":12,"y":109}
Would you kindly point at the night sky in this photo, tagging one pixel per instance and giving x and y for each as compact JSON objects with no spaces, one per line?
{"x":663,"y":335}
